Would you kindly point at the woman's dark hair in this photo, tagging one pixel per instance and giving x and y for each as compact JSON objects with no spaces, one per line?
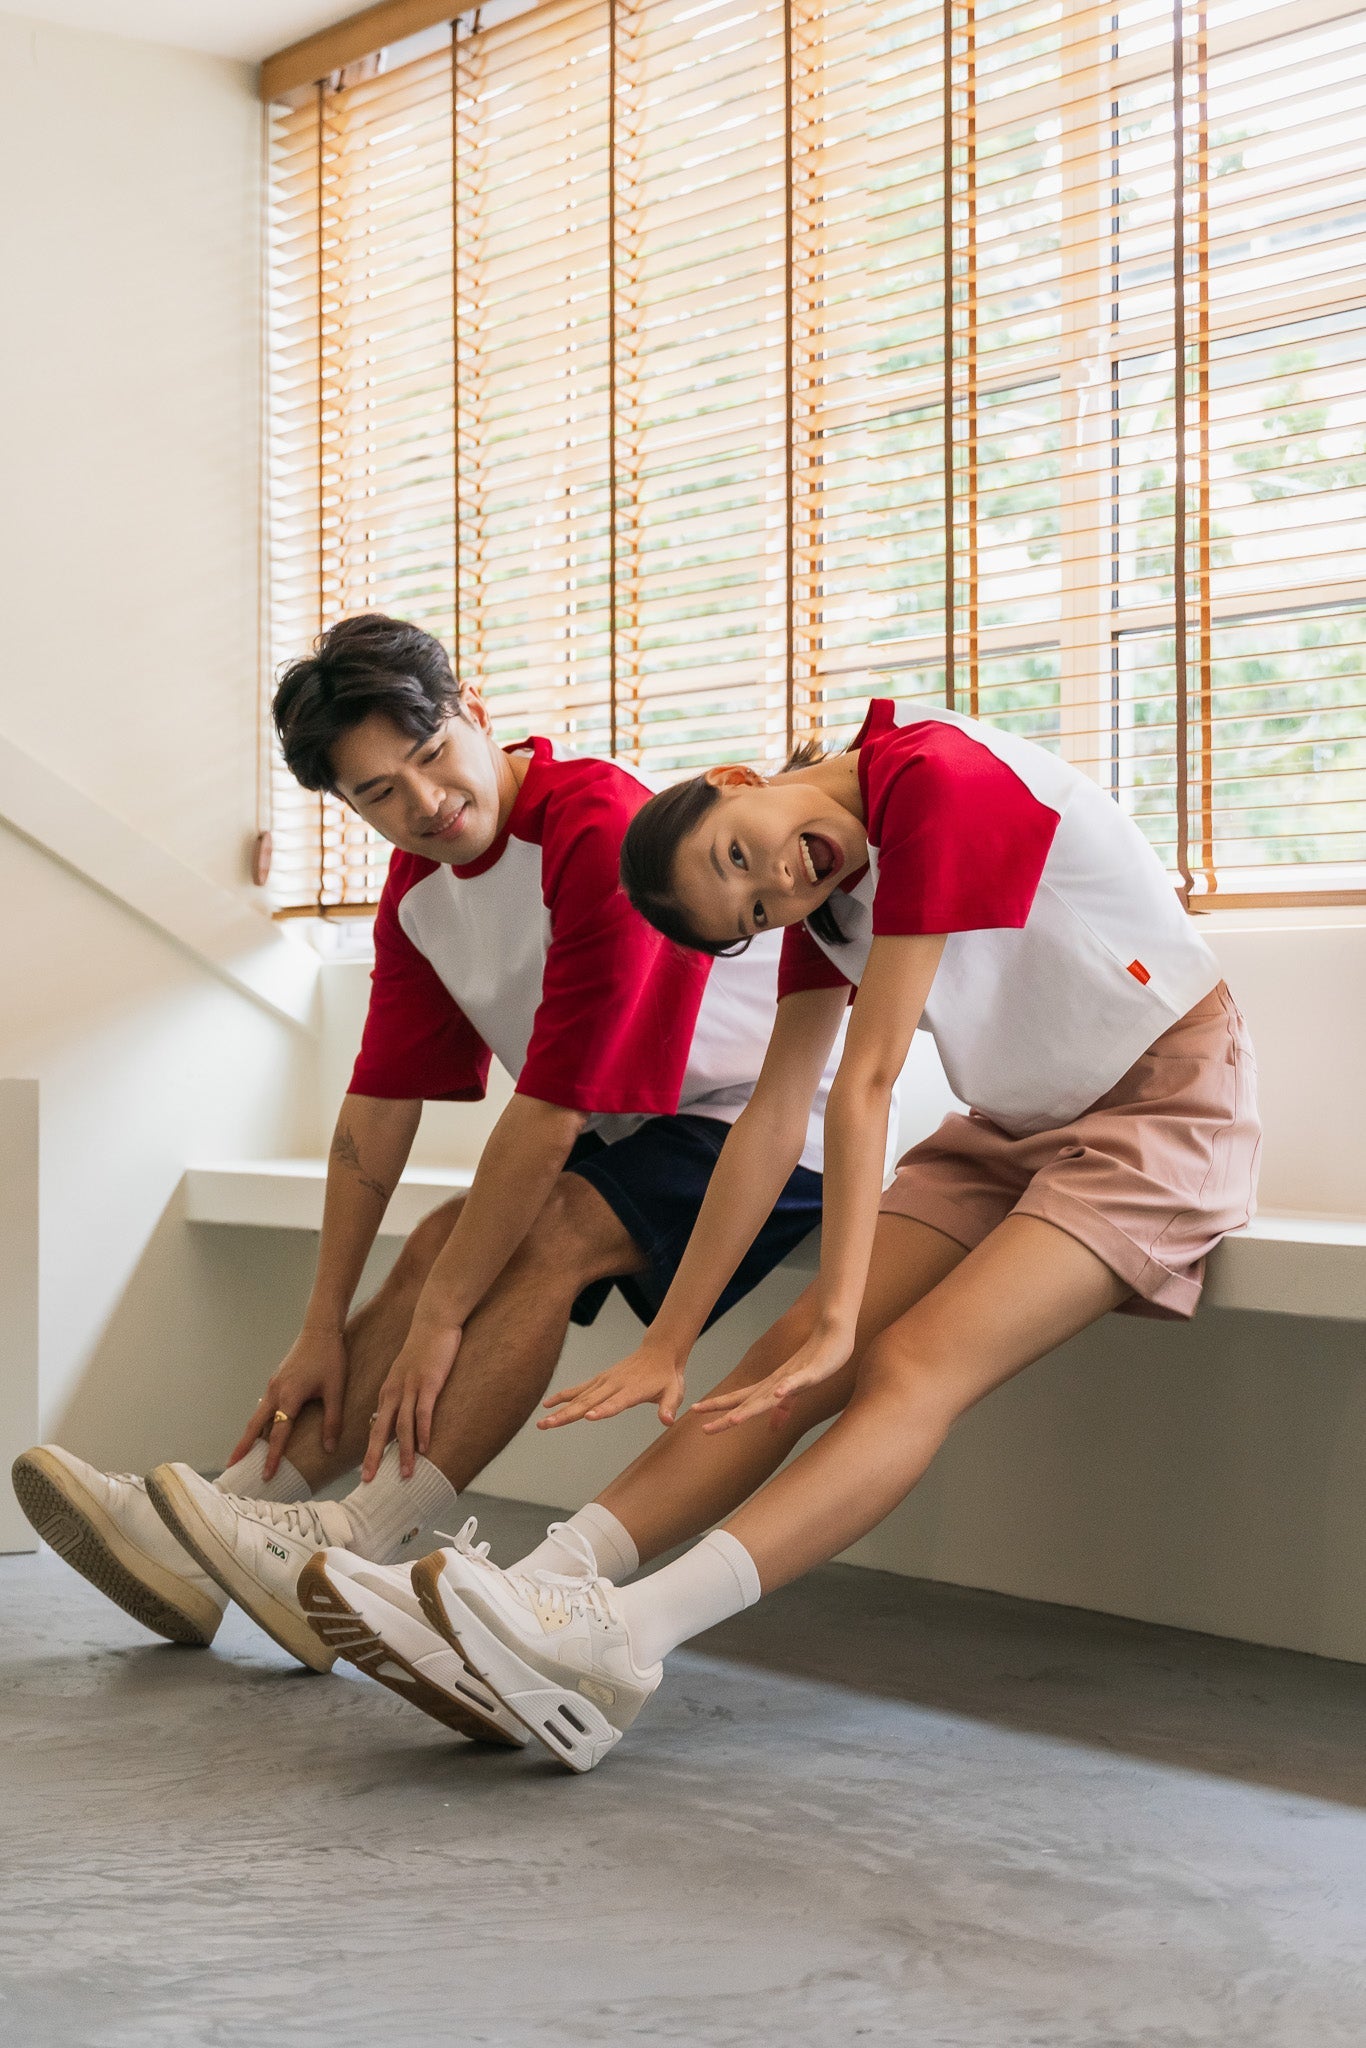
{"x":363,"y":664}
{"x":649,"y":853}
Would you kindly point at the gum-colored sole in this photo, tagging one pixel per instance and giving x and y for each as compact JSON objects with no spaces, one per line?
{"x":572,"y":1730}
{"x":347,"y":1634}
{"x":83,"y":1536}
{"x":181,"y":1516}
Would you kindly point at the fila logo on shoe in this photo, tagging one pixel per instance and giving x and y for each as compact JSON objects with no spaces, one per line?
{"x":276,"y":1551}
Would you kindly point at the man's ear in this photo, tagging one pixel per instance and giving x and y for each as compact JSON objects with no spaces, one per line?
{"x":734,"y":777}
{"x":473,"y":705}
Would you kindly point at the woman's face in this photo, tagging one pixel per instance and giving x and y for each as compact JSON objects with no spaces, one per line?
{"x":766,"y":854}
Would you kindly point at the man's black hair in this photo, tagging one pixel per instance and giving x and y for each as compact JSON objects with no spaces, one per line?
{"x":361,"y":665}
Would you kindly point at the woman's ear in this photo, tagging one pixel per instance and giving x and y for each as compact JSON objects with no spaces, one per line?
{"x":734,"y":777}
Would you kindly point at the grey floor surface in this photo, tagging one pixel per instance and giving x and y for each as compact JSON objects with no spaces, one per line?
{"x":870,"y":1811}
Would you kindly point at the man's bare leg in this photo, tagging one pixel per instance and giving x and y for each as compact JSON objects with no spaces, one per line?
{"x":375,"y":1335}
{"x":511,"y":1344}
{"x":685,"y":1481}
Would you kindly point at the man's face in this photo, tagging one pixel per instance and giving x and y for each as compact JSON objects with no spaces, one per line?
{"x":439,"y":797}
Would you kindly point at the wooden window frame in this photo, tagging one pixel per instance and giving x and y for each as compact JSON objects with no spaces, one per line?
{"x":1084,"y":366}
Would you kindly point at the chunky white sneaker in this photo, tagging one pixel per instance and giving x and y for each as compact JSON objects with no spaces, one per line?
{"x":103,"y":1525}
{"x":553,"y":1647}
{"x":255,"y":1549}
{"x":369,"y":1614}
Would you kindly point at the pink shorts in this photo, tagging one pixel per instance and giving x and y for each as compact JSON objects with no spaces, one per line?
{"x":1149,"y":1178}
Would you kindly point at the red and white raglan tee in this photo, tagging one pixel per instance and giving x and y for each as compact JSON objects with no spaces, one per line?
{"x":1068,"y":953}
{"x":533,"y":954}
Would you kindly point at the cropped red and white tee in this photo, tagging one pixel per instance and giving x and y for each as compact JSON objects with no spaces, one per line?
{"x":1068,"y":953}
{"x":533,"y":954}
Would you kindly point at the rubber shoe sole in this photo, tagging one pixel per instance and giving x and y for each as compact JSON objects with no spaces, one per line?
{"x":182,"y":1517}
{"x":84,"y":1537}
{"x":572,"y":1729}
{"x":348,"y":1634}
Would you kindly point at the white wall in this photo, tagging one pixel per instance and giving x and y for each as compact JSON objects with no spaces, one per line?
{"x":129,"y":248}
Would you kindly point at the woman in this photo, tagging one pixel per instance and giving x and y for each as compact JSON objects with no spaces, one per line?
{"x":957,"y":878}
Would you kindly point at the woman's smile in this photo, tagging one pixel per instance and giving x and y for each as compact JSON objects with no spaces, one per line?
{"x":820,"y":856}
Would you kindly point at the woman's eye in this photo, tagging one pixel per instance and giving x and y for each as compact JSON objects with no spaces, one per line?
{"x":427,"y":759}
{"x":736,"y":857}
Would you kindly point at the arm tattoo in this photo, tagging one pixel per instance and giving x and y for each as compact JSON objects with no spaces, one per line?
{"x":346,"y":1153}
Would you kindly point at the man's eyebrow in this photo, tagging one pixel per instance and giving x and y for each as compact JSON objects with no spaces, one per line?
{"x":372,"y":781}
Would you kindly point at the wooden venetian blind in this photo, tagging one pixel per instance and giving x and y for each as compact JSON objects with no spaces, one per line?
{"x":695,"y":371}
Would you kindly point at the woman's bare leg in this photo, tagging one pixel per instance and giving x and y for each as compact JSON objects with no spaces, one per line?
{"x":686,"y":1481}
{"x":1026,"y":1288}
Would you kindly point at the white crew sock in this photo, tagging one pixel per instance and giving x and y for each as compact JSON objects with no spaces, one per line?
{"x":616,"y":1555}
{"x":709,"y":1583}
{"x":244,"y":1478}
{"x":388,"y":1514}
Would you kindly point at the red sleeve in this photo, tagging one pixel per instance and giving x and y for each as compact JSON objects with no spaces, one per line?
{"x":418,"y":1042}
{"x":803,"y":965}
{"x":618,"y":1002}
{"x":961,"y":842}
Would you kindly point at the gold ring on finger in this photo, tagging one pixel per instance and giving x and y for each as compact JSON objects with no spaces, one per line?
{"x":280,"y":1416}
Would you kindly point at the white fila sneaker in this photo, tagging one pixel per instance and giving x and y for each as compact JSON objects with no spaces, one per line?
{"x":255,"y":1549}
{"x":553,"y":1647}
{"x":369,"y":1614}
{"x":103,"y":1525}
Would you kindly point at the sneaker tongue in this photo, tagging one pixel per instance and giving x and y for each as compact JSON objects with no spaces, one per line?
{"x":334,"y":1522}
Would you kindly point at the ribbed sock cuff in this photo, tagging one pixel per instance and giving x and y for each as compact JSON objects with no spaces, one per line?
{"x":245,"y":1478}
{"x":740,"y":1562}
{"x":709,"y":1583}
{"x":389,"y":1514}
{"x":614,"y":1552}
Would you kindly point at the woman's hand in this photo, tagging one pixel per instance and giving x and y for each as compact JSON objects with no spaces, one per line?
{"x":314,"y":1369}
{"x":821,"y":1356}
{"x":647,"y":1375}
{"x":408,"y":1397}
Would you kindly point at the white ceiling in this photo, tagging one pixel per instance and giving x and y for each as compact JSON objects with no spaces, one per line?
{"x":246,"y":29}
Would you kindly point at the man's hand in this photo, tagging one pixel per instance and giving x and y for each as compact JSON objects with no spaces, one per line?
{"x":314,"y":1369}
{"x":819,"y":1358}
{"x":409,"y":1395}
{"x":647,"y":1375}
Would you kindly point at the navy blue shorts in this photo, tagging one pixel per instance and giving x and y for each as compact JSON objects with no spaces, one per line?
{"x":654,"y":1181}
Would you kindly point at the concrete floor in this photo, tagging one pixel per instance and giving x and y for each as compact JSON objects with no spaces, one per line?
{"x":872,"y":1810}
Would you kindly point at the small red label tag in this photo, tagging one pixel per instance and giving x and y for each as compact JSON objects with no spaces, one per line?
{"x":1139,"y":971}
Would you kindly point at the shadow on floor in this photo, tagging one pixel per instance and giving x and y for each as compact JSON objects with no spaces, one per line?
{"x":1262,"y":1717}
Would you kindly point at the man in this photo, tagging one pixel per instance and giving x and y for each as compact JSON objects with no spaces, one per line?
{"x":502,"y":930}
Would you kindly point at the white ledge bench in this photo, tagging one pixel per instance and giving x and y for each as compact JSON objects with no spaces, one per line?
{"x":1284,"y":1263}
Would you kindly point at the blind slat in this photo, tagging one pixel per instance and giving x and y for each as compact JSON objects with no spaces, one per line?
{"x":722,"y":393}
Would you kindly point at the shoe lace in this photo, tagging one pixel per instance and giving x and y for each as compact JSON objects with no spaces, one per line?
{"x":585,"y":1591}
{"x":298,"y":1518}
{"x":464,"y":1542}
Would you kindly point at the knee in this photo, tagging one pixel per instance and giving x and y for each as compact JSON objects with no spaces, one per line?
{"x":909,"y":1379}
{"x":576,"y":1235}
{"x":408,"y":1274}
